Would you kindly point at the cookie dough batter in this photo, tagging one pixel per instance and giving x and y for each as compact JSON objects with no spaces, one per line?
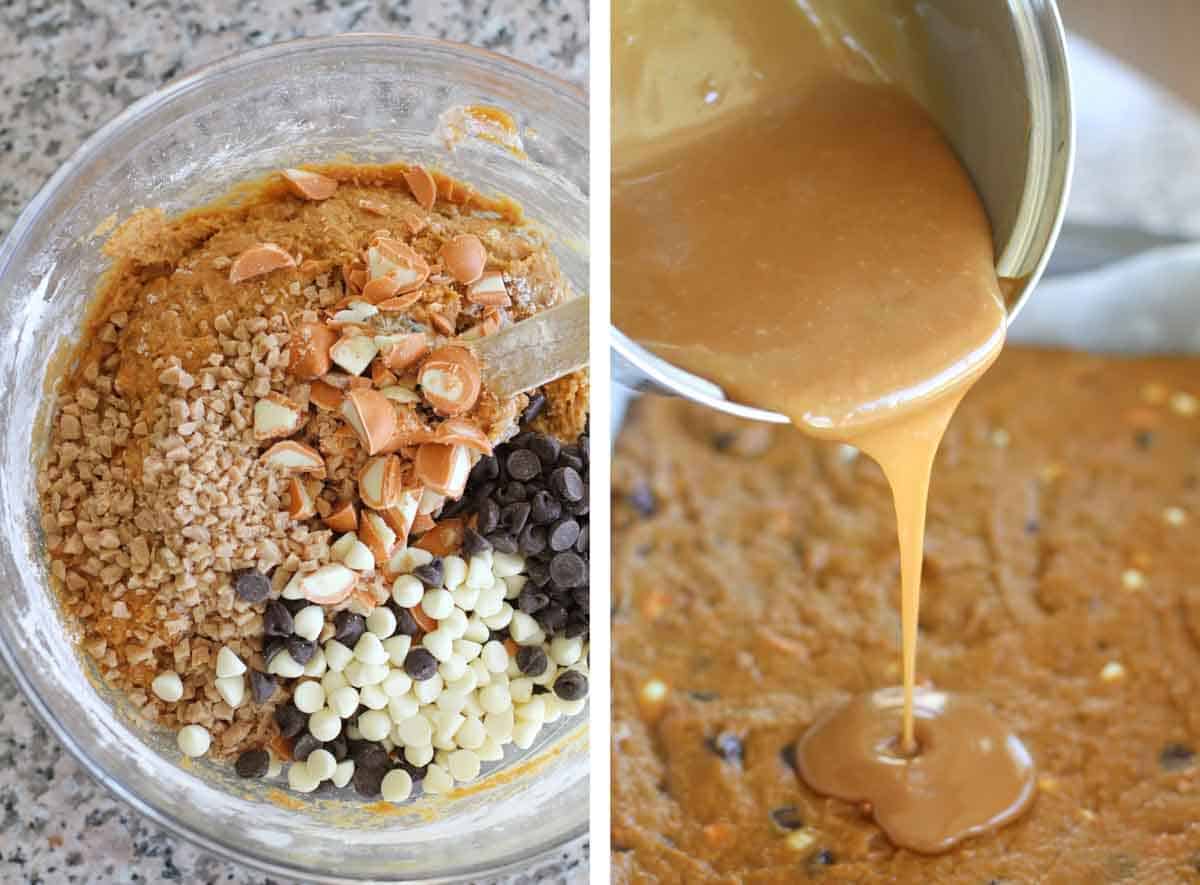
{"x":754,"y":589}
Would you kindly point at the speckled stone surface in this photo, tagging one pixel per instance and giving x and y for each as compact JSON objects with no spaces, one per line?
{"x":66,"y":67}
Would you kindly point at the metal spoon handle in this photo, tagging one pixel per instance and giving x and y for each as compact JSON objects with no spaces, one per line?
{"x":535,"y":351}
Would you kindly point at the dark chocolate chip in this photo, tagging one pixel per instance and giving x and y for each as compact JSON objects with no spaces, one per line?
{"x":537,"y":403}
{"x":251,"y":585}
{"x":523,"y":465}
{"x":262,"y":686}
{"x":301,"y":649}
{"x":538,"y":572}
{"x":582,"y":597}
{"x":544,"y":508}
{"x":787,"y":817}
{"x":532,"y":540}
{"x":252,"y":763}
{"x":1176,"y":757}
{"x":546,"y":447}
{"x":502,"y":542}
{"x":723,"y":441}
{"x":567,"y":569}
{"x":583,"y":541}
{"x":368,"y":780}
{"x":349,"y":628}
{"x":788,"y":755}
{"x":563,"y":535}
{"x":277,"y":620}
{"x":530,"y":600}
{"x":295,"y":606}
{"x":1143,"y":439}
{"x":406,"y":624}
{"x":338,"y":748}
{"x":485,"y":470}
{"x":416,"y":772}
{"x":571,"y":685}
{"x":552,"y":618}
{"x":487,"y":516}
{"x":521,"y":440}
{"x":567,"y":484}
{"x":511,"y":492}
{"x":576,"y":628}
{"x":514,"y":516}
{"x":728,"y":746}
{"x":703,"y":697}
{"x":642,"y":500}
{"x":273,"y":647}
{"x":581,"y":507}
{"x":430,"y":574}
{"x":290,"y":720}
{"x":304,"y":746}
{"x":1032,"y":526}
{"x":531,"y":660}
{"x":474,"y":543}
{"x":420,"y":664}
{"x":571,"y":460}
{"x":367,"y":754}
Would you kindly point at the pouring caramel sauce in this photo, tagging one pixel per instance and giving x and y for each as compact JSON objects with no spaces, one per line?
{"x":789,"y":222}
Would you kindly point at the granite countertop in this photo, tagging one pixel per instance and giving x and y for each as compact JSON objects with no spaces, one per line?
{"x":66,"y":68}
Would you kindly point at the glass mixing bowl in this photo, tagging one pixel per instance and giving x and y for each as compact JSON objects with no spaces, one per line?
{"x":363,"y":97}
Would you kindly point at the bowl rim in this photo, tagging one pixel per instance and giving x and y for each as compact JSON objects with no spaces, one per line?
{"x":20,"y":229}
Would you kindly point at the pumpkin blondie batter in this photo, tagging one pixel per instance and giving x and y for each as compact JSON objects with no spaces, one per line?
{"x":753,"y":576}
{"x":270,"y":420}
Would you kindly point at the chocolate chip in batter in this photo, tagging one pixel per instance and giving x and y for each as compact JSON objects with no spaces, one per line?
{"x":349,"y":628}
{"x":1176,"y":757}
{"x":819,"y":860}
{"x":642,"y":500}
{"x":787,"y":817}
{"x":252,"y":763}
{"x":703,"y":697}
{"x":1032,"y":526}
{"x":728,"y":746}
{"x":277,"y":620}
{"x":251,"y":585}
{"x":788,"y":756}
{"x":1144,"y":439}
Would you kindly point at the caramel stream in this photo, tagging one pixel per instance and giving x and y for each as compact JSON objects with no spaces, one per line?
{"x":795,"y":228}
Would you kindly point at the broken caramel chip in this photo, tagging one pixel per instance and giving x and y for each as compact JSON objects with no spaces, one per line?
{"x":372,"y":417}
{"x":380,"y":482}
{"x":422,"y":185}
{"x":294,"y":457}
{"x":258,"y":260}
{"x":443,"y":468}
{"x":300,"y":502}
{"x":455,"y":431}
{"x":343,"y":518}
{"x":399,"y":262}
{"x":309,"y":357}
{"x":309,"y":185}
{"x":402,"y":352}
{"x":450,"y":380}
{"x":464,"y":257}
{"x":489,"y":291}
